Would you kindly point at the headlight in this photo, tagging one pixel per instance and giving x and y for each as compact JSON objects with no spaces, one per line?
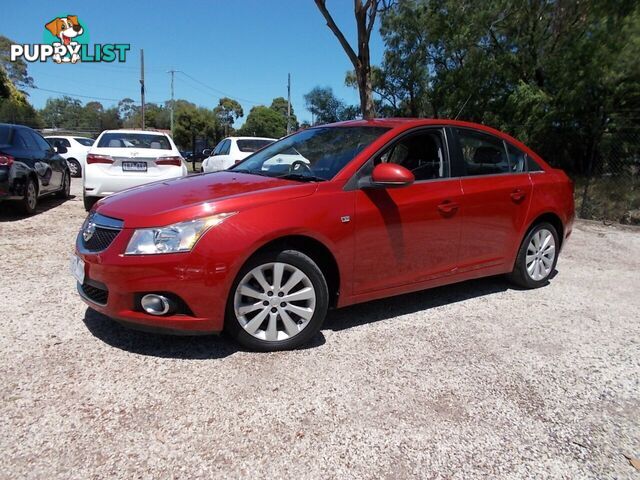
{"x":179,"y":237}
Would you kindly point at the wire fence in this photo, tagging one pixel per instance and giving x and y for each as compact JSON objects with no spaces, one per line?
{"x":610,"y":191}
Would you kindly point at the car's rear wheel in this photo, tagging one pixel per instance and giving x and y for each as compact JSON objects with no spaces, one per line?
{"x":74,"y":167}
{"x":65,"y":191}
{"x":89,"y":202}
{"x":278,"y":301}
{"x":29,"y":202}
{"x":537,"y":256}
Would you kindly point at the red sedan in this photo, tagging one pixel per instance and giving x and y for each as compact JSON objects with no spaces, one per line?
{"x":327,"y":217}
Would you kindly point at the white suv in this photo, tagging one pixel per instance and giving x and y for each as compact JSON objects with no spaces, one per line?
{"x":233,"y":149}
{"x":121,"y":159}
{"x":76,"y":154}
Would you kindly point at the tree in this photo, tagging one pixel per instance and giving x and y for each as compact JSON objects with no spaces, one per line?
{"x":326,"y":108}
{"x":62,"y":112}
{"x":365,"y":14}
{"x":16,"y":71}
{"x":227,"y":112}
{"x":557,"y":75}
{"x":14,"y":107}
{"x":264,"y":122}
{"x":127,"y":108}
{"x":279,"y":104}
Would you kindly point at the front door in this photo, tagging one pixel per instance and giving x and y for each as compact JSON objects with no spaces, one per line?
{"x":409,"y":234}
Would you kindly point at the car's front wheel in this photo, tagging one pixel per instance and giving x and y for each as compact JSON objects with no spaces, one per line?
{"x":537,"y":257}
{"x":278,"y":301}
{"x":65,"y":189}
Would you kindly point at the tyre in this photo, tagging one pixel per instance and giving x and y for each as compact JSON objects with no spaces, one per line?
{"x":29,"y":202}
{"x":65,"y":191}
{"x":74,"y":167}
{"x":89,"y":202}
{"x":277,"y":302}
{"x":537,"y":257}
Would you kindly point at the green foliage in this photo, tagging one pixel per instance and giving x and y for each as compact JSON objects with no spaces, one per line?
{"x":279,"y":104}
{"x":326,"y":108}
{"x":16,"y":71}
{"x":227,"y":112}
{"x":264,"y":122}
{"x":558,"y":75}
{"x":14,"y":107}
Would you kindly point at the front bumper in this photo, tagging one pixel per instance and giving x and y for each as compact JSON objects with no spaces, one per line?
{"x":200,"y":283}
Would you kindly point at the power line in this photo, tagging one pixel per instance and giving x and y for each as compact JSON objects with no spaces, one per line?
{"x":75,"y":95}
{"x":221,"y":92}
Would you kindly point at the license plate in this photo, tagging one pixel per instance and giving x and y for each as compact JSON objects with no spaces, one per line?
{"x":77,"y":268}
{"x":134,"y":166}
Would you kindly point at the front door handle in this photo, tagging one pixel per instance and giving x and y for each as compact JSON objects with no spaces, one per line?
{"x":448,"y":207}
{"x":518,"y":194}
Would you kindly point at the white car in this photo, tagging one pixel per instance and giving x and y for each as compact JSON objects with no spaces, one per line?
{"x":76,"y":154}
{"x":233,"y":149}
{"x":121,"y":159}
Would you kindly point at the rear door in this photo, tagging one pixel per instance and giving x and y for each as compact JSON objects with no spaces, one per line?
{"x":36,"y":159}
{"x":410,"y":234}
{"x":496,"y":197}
{"x":56,"y":162}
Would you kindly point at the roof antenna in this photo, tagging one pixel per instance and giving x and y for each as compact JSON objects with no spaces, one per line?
{"x":464,"y":105}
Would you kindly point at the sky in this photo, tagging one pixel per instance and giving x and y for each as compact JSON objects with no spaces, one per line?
{"x":242,"y":49}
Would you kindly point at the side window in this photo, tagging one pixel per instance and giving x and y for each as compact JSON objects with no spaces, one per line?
{"x":517,"y":159}
{"x":27,"y":139}
{"x":482,"y":154}
{"x":225,"y":147}
{"x":421,"y":153}
{"x":41,"y":142}
{"x":532,"y":165}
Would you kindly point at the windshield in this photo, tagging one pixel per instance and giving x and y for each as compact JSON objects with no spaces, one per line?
{"x":87,"y":142}
{"x":313,"y":154}
{"x":134,"y":140}
{"x":252,"y":145}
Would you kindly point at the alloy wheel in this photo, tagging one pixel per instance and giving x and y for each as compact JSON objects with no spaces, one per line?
{"x":31,"y":196}
{"x":274,"y":301}
{"x":541,"y":253}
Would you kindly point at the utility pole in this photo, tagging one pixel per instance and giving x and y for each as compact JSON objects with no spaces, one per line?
{"x":172,"y":72}
{"x":288,"y":104}
{"x":142,"y":84}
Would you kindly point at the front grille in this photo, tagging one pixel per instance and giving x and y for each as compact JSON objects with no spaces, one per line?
{"x":100,"y":230}
{"x":95,"y":294}
{"x":100,"y":240}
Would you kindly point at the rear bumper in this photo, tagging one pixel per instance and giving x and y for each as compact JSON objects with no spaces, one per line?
{"x":100,"y":184}
{"x":188,"y":276}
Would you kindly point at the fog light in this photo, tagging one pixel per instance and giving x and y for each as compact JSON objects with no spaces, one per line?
{"x":156,"y":304}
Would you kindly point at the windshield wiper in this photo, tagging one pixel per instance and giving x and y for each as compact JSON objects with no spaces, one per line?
{"x":302,"y":177}
{"x":250,"y":172}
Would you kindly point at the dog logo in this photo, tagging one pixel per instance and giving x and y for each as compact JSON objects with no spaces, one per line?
{"x":65,"y":40}
{"x":66,"y":29}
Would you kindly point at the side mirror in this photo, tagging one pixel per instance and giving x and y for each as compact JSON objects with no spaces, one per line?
{"x":60,"y":149}
{"x":206,"y":152}
{"x":391,"y":175}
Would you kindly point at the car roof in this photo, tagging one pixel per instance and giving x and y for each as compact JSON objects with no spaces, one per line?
{"x":250,"y":138}
{"x":128,"y":130}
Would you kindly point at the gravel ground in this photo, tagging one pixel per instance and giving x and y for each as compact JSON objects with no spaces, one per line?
{"x":476,"y":379}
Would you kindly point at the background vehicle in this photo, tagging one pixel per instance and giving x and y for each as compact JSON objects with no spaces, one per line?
{"x":232,"y":150}
{"x":76,"y":154}
{"x":369,"y":210}
{"x":121,"y":159}
{"x":30,"y":167}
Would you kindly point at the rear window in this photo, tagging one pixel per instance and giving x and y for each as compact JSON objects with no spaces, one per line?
{"x":253,"y":145}
{"x":87,"y":142}
{"x":5,"y":134}
{"x":134,"y":140}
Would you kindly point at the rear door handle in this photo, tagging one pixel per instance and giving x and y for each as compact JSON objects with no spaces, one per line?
{"x":518,"y":194}
{"x":448,"y":207}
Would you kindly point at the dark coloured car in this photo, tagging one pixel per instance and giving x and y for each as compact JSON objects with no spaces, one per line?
{"x":30,"y":167}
